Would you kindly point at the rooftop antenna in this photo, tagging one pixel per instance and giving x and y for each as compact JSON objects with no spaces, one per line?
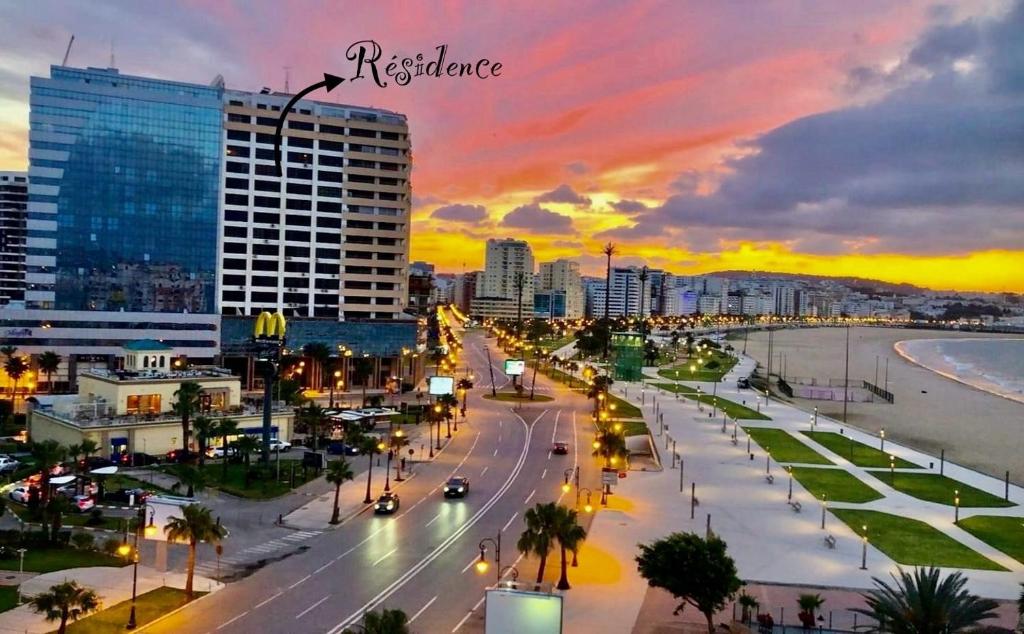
{"x":112,"y":64}
{"x":68,"y":51}
{"x":286,"y":74}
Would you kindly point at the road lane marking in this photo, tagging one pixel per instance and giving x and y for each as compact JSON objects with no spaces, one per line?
{"x":392,"y":552}
{"x":423,"y":609}
{"x":470,"y":564}
{"x":484,"y":471}
{"x":462,"y":622}
{"x":398,"y":583}
{"x":479,"y":603}
{"x":227,"y":623}
{"x":266,"y":601}
{"x":299,"y":582}
{"x":530,"y":497}
{"x":503,"y":528}
{"x":554,"y":431}
{"x":310,"y":608}
{"x":323,"y":567}
{"x":436,"y":517}
{"x":495,"y":453}
{"x":543,"y":474}
{"x":549,"y":454}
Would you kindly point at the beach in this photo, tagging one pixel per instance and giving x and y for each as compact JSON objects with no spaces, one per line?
{"x":931,"y":412}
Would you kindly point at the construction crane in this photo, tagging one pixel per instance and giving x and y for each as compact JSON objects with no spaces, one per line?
{"x":68,"y":51}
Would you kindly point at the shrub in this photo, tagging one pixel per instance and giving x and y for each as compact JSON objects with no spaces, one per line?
{"x":95,"y":518}
{"x":83,"y":541}
{"x":110,"y":545}
{"x":712,"y":364}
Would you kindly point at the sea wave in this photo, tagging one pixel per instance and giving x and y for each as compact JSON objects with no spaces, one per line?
{"x":992,"y":365}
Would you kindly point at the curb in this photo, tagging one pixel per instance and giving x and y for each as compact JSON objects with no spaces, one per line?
{"x":178,"y":609}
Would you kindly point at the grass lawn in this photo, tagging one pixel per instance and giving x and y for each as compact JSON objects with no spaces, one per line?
{"x":148,"y":607}
{"x":8,"y":597}
{"x":1004,"y":533}
{"x":623,"y":409}
{"x":121,"y":481}
{"x":257,"y":489}
{"x":634,"y":428}
{"x":784,"y":447}
{"x":514,"y":398}
{"x":913,"y":543}
{"x":725,"y":363}
{"x":856,"y":452}
{"x":837,"y":485}
{"x":731,"y":409}
{"x":933,"y":487}
{"x":51,"y":559}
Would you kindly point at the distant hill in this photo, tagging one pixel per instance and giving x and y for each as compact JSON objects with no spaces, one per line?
{"x":860,"y":283}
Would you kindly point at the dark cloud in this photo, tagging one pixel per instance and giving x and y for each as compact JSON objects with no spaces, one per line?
{"x":471,"y":214}
{"x":426,"y":201}
{"x":533,"y":217}
{"x":628,"y":206}
{"x":577,"y":167}
{"x":685,"y":183}
{"x":563,"y":194}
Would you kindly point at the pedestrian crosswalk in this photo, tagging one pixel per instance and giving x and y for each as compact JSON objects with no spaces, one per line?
{"x":233,"y":562}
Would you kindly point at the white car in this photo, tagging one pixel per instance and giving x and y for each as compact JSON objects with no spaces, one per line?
{"x":19,"y":494}
{"x":220,"y":452}
{"x":8,"y":464}
{"x":280,"y":445}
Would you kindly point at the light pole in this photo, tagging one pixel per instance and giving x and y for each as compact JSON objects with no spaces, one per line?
{"x":387,"y":469}
{"x":337,"y":381}
{"x":864,"y":551}
{"x":566,"y":486}
{"x":789,"y":496}
{"x":814,"y":424}
{"x":892,"y":470}
{"x":587,"y":507}
{"x":881,"y":435}
{"x":824,"y":505}
{"x":956,"y":507}
{"x":767,"y":460}
{"x":124,"y":550}
{"x":482,"y":564}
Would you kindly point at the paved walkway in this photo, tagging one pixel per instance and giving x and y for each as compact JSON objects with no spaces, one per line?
{"x":769,"y":541}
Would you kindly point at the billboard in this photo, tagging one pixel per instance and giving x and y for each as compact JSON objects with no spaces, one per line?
{"x":509,"y":611}
{"x":440,"y":385}
{"x":515,"y":367}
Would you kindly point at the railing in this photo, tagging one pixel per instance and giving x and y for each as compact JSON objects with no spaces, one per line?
{"x":83,"y":419}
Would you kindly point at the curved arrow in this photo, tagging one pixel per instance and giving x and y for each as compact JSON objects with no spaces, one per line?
{"x":330,"y":82}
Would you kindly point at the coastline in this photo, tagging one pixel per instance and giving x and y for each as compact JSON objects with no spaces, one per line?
{"x":989,"y":387}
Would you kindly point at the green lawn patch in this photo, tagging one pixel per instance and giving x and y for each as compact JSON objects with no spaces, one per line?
{"x":913,"y":543}
{"x":8,"y":597}
{"x":623,"y":408}
{"x":148,"y":607}
{"x":1003,"y":533}
{"x":731,"y":409}
{"x":783,"y":447}
{"x":121,"y":481}
{"x":260,"y":489}
{"x":681,"y":372}
{"x":838,"y":485}
{"x":58,"y":558}
{"x":515,"y":398}
{"x":856,"y":452}
{"x":634,"y":428}
{"x":933,"y":487}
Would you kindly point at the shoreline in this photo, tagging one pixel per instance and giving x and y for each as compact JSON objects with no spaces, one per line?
{"x":899,"y":347}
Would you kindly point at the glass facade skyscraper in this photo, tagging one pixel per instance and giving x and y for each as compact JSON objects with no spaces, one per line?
{"x":123,"y":198}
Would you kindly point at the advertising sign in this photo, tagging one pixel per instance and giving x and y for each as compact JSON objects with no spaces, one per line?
{"x":609,"y":476}
{"x":515,"y":367}
{"x":509,"y":611}
{"x":440,"y":385}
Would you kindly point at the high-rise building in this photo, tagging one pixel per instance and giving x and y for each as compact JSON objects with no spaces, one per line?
{"x":594,"y":292}
{"x":465,"y":290}
{"x":564,"y":275}
{"x":625,"y":293}
{"x":507,"y":279}
{"x":331,"y":238}
{"x":13,"y":205}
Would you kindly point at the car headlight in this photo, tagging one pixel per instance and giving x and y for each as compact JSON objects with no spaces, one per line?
{"x":461,"y":489}
{"x":446,"y":489}
{"x":391,"y":505}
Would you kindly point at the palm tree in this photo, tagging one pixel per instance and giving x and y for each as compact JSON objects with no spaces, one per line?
{"x":362,"y":370}
{"x":187,"y":404}
{"x":192,"y":478}
{"x":923,"y":602}
{"x":312,"y":415}
{"x":48,"y":454}
{"x":65,"y":601}
{"x":386,"y":622}
{"x":9,"y":351}
{"x":540,"y":534}
{"x":49,"y":362}
{"x":204,"y":428}
{"x":570,"y":535}
{"x":226,"y":427}
{"x":338,"y":473}
{"x":573,"y":368}
{"x":88,"y":447}
{"x":611,"y":446}
{"x":465,"y":385}
{"x":196,"y":525}
{"x":247,"y":445}
{"x":809,"y":604}
{"x":16,"y":367}
{"x":53,"y":514}
{"x":368,"y":446}
{"x":747,"y":603}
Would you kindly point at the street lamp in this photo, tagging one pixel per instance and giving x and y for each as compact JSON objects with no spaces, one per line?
{"x":864,"y":551}
{"x":892,"y":470}
{"x":337,"y":381}
{"x":824,"y":505}
{"x":881,"y":435}
{"x":956,"y":506}
{"x":511,"y":570}
{"x":482,"y":564}
{"x":789,"y":497}
{"x":566,"y":475}
{"x":588,"y":507}
{"x":124,"y":550}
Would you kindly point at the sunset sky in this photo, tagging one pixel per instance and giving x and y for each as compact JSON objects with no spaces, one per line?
{"x":877,"y":139}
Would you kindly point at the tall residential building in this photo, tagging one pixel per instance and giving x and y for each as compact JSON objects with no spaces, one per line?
{"x":564,"y":275}
{"x":507,"y":279}
{"x":123,"y":196}
{"x":13,"y":205}
{"x":465,"y":290}
{"x":625,"y":293}
{"x":331,"y":238}
{"x":593,"y":292}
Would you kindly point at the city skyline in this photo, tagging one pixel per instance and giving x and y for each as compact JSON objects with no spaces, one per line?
{"x":877,"y":142}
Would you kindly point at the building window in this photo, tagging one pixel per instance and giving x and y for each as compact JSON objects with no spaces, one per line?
{"x":143,"y":403}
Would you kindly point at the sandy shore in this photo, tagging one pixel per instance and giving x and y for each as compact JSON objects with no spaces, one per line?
{"x":931,"y":412}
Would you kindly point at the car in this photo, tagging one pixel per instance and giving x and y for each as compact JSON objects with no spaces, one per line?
{"x":179,"y":456}
{"x":341,"y":449}
{"x":220,"y":452}
{"x":19,"y":494}
{"x":138,"y":459}
{"x":128,"y":495}
{"x":8,"y":464}
{"x":387,"y":504}
{"x":456,"y":487}
{"x":68,"y":490}
{"x":743,"y":384}
{"x":94,"y":462}
{"x":280,"y":445}
{"x":82,"y":503}
{"x":560,"y":448}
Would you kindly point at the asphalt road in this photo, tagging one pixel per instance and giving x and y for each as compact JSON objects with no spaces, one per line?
{"x":421,"y":558}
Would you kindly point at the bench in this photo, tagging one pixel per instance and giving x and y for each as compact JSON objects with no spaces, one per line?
{"x":830,"y":542}
{"x":796,"y":506}
{"x":770,"y":479}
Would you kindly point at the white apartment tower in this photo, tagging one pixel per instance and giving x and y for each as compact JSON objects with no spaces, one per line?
{"x":564,"y":275}
{"x":331,"y":238}
{"x":507,"y":262}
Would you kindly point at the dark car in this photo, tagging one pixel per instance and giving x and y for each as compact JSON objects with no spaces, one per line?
{"x":743,"y":384}
{"x":456,"y":487}
{"x":341,"y":449}
{"x":138,"y":459}
{"x":126,"y":495}
{"x":182,"y":456}
{"x":387,"y":504}
{"x":94,"y":462}
{"x":560,"y":448}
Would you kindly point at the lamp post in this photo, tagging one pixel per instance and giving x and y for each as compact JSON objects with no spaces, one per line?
{"x":814,"y":424}
{"x":864,"y":550}
{"x":892,"y":470}
{"x":568,"y":473}
{"x":824,"y":505}
{"x":482,"y":564}
{"x":337,"y":381}
{"x":387,"y":469}
{"x":587,"y":507}
{"x":124,"y":550}
{"x":767,"y":460}
{"x":881,"y":435}
{"x":789,"y":496}
{"x":956,"y":507}
{"x":512,"y":570}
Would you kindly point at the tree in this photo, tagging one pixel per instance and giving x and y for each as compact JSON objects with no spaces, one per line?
{"x":747,"y":603}
{"x":48,"y":454}
{"x":809,"y":604}
{"x":53,"y":514}
{"x":924,"y":602}
{"x":611,"y":446}
{"x":540,"y":534}
{"x":247,"y":445}
{"x":226,"y":427}
{"x":188,"y":394}
{"x":695,"y":570}
{"x":384,"y":622}
{"x":368,"y":446}
{"x":205,"y":428}
{"x":362,"y":370}
{"x":689,"y":343}
{"x":193,"y":479}
{"x":650,"y":352}
{"x":16,"y":367}
{"x":65,"y":601}
{"x":49,"y":362}
{"x":196,"y":525}
{"x":311,"y":416}
{"x":338,"y":473}
{"x":573,"y":368}
{"x":569,"y":535}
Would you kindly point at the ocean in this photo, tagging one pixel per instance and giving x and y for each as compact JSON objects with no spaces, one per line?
{"x":992,"y":365}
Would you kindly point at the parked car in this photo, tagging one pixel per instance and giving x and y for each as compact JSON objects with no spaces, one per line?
{"x":387,"y":504}
{"x":68,"y":490}
{"x":178,"y":456}
{"x":456,"y":487}
{"x":560,"y":448}
{"x":138,"y":459}
{"x":82,"y":503}
{"x":19,"y":494}
{"x":341,"y":449}
{"x":280,"y":445}
{"x":94,"y":462}
{"x":220,"y":452}
{"x":126,"y":495}
{"x":8,"y":464}
{"x":743,"y":384}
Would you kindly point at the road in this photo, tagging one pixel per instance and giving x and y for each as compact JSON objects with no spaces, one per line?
{"x":421,"y":559}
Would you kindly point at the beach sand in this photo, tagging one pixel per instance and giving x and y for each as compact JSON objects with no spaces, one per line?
{"x":931,"y":412}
